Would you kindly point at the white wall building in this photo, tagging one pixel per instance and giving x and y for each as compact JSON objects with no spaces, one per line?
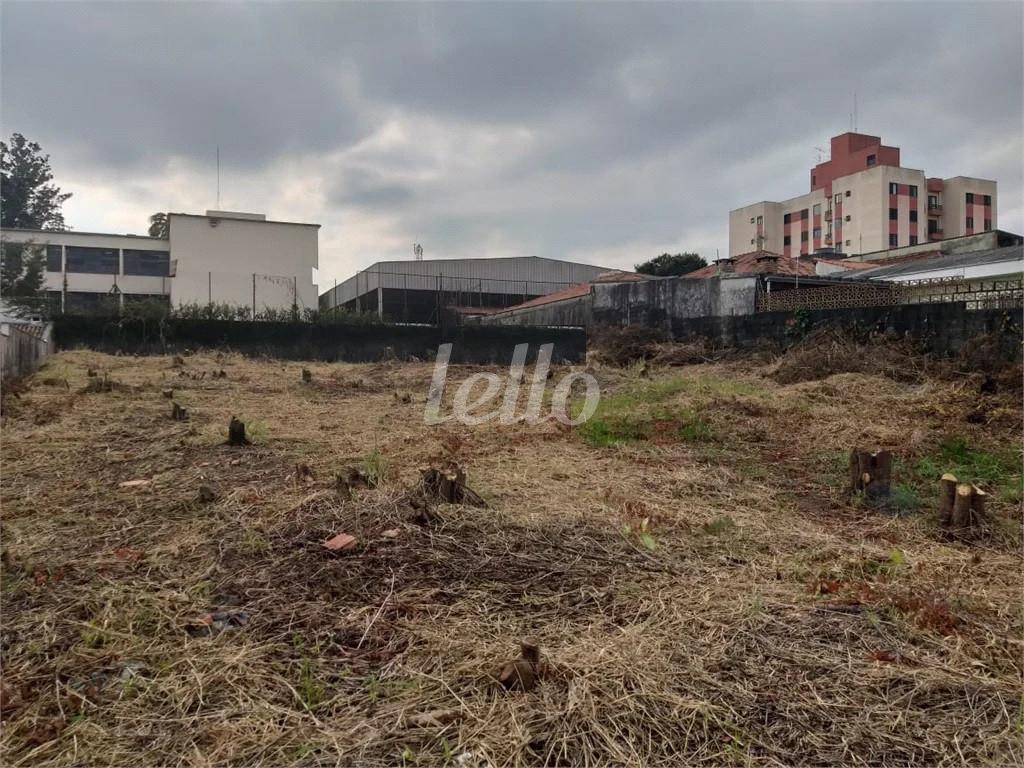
{"x":220,"y":257}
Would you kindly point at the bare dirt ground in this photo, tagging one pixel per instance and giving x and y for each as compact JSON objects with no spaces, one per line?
{"x":702,"y":587}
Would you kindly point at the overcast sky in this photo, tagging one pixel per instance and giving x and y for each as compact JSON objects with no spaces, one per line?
{"x":605,"y":133}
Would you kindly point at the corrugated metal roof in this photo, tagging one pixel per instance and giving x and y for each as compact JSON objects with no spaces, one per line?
{"x":935,"y":262}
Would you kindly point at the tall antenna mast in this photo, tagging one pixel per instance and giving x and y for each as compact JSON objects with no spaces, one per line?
{"x":218,"y":177}
{"x":854,"y":111}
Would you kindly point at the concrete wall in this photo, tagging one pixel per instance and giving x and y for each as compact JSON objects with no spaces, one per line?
{"x":282,"y":255}
{"x":657,"y":303}
{"x":568,"y":312}
{"x":308,"y":341}
{"x":941,"y":328}
{"x":662,"y":303}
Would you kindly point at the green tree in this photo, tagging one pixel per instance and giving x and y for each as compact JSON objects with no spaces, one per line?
{"x":23,"y":277}
{"x":28,"y":197}
{"x":159,"y":225}
{"x":669,"y":264}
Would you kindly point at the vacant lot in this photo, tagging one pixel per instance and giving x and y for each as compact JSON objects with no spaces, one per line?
{"x":702,"y":587}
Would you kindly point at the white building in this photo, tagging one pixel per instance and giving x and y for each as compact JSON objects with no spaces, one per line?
{"x":222,"y":257}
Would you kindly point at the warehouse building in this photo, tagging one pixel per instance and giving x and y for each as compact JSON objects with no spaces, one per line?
{"x":427,"y":291}
{"x":222,"y":257}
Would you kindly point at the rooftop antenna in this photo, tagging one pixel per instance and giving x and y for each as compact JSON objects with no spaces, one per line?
{"x":218,"y":177}
{"x":417,"y":252}
{"x":821,"y":153}
{"x":854,"y":111}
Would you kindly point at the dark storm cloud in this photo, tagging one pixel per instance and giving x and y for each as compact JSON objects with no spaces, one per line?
{"x":543,"y":128}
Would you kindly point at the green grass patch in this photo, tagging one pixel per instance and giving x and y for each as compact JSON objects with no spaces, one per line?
{"x":375,"y":467}
{"x":645,"y":412}
{"x":999,"y":471}
{"x":904,"y":499}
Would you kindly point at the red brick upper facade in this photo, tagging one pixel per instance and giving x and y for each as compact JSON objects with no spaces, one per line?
{"x":852,"y":152}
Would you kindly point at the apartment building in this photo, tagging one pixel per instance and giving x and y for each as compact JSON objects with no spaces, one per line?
{"x":861,"y":199}
{"x":222,"y":257}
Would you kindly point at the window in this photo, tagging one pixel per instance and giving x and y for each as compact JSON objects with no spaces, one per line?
{"x":839,"y":223}
{"x":54,"y":257}
{"x":970,"y":198}
{"x":803,"y":236}
{"x":872,"y":161}
{"x":913,"y":190}
{"x":803,"y":214}
{"x":988,"y":224}
{"x":787,"y":218}
{"x":970,"y":222}
{"x":913,"y":239}
{"x":154,"y":263}
{"x":751,"y":219}
{"x":839,"y":198}
{"x":933,"y":226}
{"x":847,"y":242}
{"x":988,"y":199}
{"x":817,"y":233}
{"x":913,"y":215}
{"x":787,"y":240}
{"x":817,"y":209}
{"x":814,"y":179}
{"x":760,"y":220}
{"x":893,"y":241}
{"x":933,"y":201}
{"x":893,"y":214}
{"x":847,"y":217}
{"x":751,"y":241}
{"x":847,"y":193}
{"x":95,"y":261}
{"x":894,"y":188}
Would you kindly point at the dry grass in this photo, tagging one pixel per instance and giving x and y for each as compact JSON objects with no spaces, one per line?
{"x":767,"y":620}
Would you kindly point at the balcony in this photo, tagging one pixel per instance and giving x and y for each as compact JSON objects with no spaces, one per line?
{"x":934,"y":209}
{"x":935,"y":234}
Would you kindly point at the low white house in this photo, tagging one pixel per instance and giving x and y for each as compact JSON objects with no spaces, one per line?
{"x":226,"y":257}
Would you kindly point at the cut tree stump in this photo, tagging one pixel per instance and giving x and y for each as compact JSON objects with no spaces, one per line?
{"x":236,"y":432}
{"x":178,"y":413}
{"x":307,"y":376}
{"x":871,"y":473}
{"x":961,"y":505}
{"x":946,"y":496}
{"x":522,"y":673}
{"x":448,"y":484}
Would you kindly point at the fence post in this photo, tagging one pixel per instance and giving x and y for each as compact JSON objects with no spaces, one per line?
{"x":253,"y":295}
